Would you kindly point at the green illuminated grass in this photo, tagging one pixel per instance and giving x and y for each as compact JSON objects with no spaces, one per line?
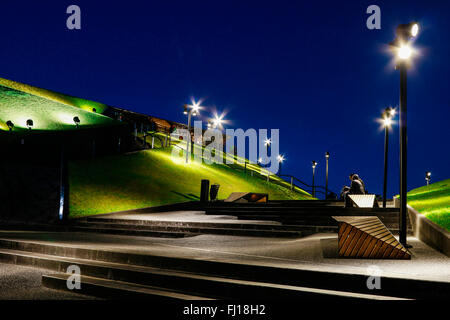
{"x":18,"y":107}
{"x":54,"y":96}
{"x":433,"y":201}
{"x":152,"y":178}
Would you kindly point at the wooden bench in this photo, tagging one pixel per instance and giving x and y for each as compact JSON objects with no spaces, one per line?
{"x":363,"y":200}
{"x":367,"y":237}
{"x":244,"y":197}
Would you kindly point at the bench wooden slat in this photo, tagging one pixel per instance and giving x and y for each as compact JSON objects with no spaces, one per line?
{"x":367,"y":237}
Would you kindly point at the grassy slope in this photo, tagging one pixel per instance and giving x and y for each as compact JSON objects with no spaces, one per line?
{"x":46,"y":114}
{"x":84,"y":104}
{"x":433,"y":201}
{"x":151,"y":178}
{"x":48,"y":110}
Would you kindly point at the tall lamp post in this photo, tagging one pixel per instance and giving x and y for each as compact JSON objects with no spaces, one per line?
{"x":327,"y":156}
{"x":388,"y":114}
{"x":314,"y":164}
{"x":428,"y":177}
{"x":190,"y":110}
{"x":401,"y":46}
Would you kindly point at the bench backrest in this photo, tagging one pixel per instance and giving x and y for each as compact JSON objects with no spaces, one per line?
{"x":363,"y":200}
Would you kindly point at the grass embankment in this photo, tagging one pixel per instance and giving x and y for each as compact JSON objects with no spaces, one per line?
{"x":153,"y":177}
{"x":433,"y":201}
{"x":48,"y":110}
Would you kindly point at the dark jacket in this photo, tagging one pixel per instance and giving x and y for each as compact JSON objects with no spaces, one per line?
{"x":362,"y":182}
{"x":356,"y":187}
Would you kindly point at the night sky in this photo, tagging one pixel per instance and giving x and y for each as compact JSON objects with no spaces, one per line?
{"x":310,"y":68}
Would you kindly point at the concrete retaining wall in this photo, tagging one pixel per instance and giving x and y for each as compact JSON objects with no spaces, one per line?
{"x":429,"y":232}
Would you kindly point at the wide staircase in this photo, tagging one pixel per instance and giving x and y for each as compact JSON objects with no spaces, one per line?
{"x":123,"y":275}
{"x":272,"y":219}
{"x":313,"y":216}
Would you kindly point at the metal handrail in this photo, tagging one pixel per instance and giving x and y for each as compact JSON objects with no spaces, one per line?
{"x":281,"y":176}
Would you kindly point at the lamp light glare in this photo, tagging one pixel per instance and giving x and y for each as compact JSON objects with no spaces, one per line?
{"x":387,"y":122}
{"x":392,"y":112}
{"x":414,"y":29}
{"x":404,"y":52}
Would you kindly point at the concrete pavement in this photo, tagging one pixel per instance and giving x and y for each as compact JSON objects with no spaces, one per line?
{"x":316,"y":252}
{"x":24,"y":283}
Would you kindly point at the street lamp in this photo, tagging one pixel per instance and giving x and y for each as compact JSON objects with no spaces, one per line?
{"x":327,"y":156}
{"x":402,"y":47}
{"x":190,"y":110}
{"x":217,"y":122}
{"x":77,"y":121}
{"x":314,"y":164}
{"x":10,"y":125}
{"x":387,"y":116}
{"x":280,"y":159}
{"x":428,"y":177}
{"x":30,"y":124}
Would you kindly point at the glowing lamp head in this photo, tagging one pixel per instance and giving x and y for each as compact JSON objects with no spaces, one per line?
{"x":30,"y":123}
{"x":195,"y":107}
{"x":185,"y":109}
{"x":404,"y":52}
{"x":267,"y":142}
{"x":414,"y":29}
{"x":427,"y":175}
{"x":387,"y":122}
{"x":327,"y":155}
{"x":407,"y":31}
{"x":10,"y":125}
{"x":217,"y":121}
{"x":280,"y":158}
{"x":390,"y":112}
{"x":314,"y":164}
{"x":260,"y":160}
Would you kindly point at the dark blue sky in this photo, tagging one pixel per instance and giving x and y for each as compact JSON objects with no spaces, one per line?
{"x":310,"y":68}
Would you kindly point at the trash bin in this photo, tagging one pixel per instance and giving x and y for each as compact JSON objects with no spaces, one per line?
{"x":214,"y":192}
{"x":204,"y":190}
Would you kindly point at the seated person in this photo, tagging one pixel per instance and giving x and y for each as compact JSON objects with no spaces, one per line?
{"x":355,"y":188}
{"x":360,"y":180}
{"x":344,"y":192}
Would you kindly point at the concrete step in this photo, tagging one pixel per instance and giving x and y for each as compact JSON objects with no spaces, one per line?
{"x":302,"y":211}
{"x":166,"y":283}
{"x":266,"y":225}
{"x":132,"y":232}
{"x":284,"y":204}
{"x":138,"y":229}
{"x":293,"y":220}
{"x":212,"y":278}
{"x":111,"y":289}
